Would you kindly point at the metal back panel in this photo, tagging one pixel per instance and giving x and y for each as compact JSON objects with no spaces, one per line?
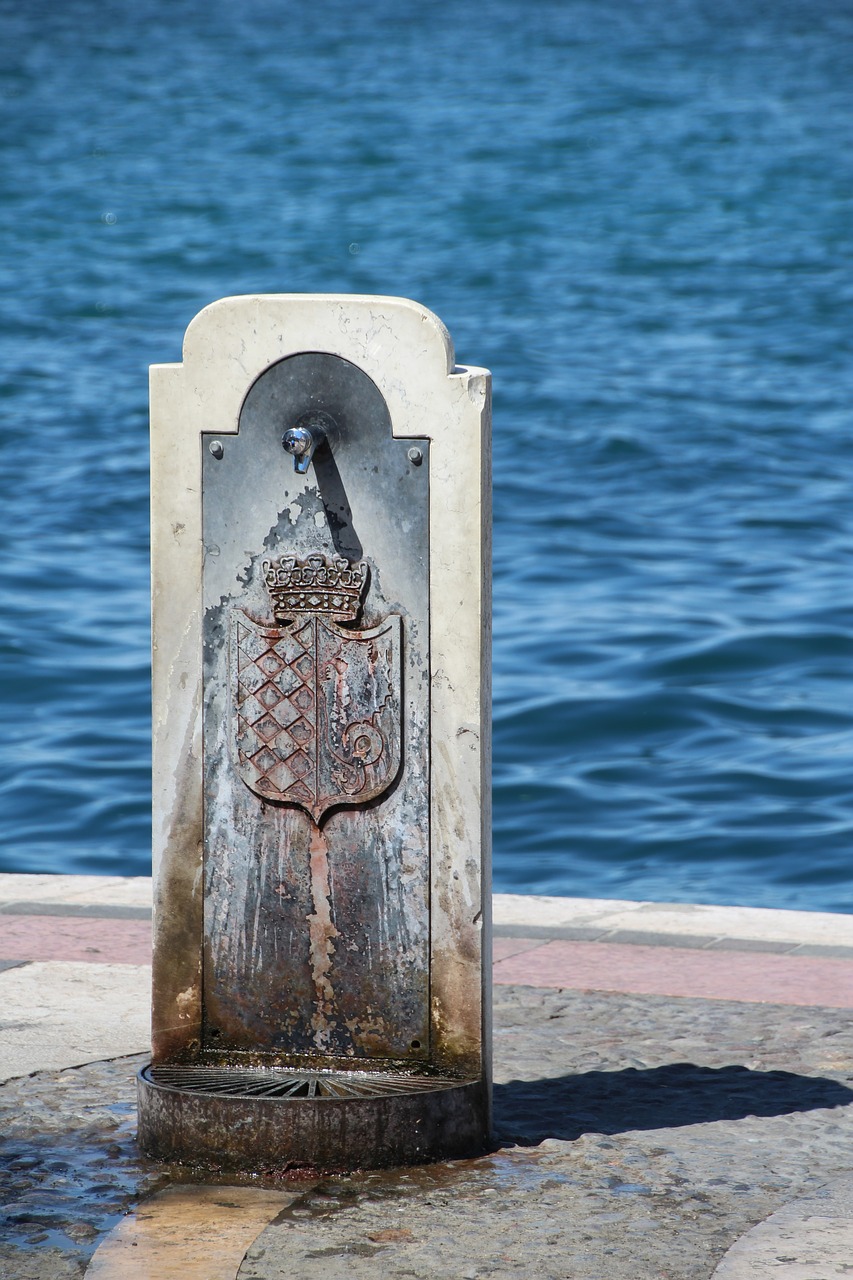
{"x":316,"y":726}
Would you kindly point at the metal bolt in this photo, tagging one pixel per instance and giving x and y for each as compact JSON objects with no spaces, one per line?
{"x":415,"y":457}
{"x":215,"y":448}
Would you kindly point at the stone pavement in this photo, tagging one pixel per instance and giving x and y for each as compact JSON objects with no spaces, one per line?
{"x":673,"y":1101}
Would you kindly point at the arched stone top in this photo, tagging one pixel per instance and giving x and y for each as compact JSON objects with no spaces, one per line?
{"x":230,"y":344}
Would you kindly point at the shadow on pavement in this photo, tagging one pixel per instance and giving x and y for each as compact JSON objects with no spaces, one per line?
{"x":564,"y":1107}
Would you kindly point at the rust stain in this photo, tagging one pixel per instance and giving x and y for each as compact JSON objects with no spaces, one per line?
{"x":371,"y":1034}
{"x":178,"y":924}
{"x":391,"y":1235}
{"x":322,"y":933}
{"x":457,"y":1010}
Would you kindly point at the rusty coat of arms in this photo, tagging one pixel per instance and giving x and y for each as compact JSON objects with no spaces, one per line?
{"x":317,"y":714}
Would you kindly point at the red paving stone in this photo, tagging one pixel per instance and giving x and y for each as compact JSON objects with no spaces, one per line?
{"x":502,"y":948}
{"x":754,"y":977}
{"x":99,"y":940}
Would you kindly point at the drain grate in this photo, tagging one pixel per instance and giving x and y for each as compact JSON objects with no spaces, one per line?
{"x":290,"y":1082}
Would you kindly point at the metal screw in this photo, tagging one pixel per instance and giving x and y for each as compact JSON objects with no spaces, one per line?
{"x":415,"y":457}
{"x":215,"y":448}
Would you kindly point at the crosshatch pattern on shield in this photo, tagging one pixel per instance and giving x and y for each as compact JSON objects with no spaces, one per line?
{"x":317,"y":708}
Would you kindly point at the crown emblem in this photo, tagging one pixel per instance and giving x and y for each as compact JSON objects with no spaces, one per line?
{"x":332,"y":587}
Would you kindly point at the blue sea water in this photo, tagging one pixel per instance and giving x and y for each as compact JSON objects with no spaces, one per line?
{"x":639,"y":215}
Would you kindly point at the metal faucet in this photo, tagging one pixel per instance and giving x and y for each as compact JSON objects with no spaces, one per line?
{"x":303,"y":440}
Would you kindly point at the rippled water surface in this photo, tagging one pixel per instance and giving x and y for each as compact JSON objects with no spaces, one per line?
{"x":640,"y":217}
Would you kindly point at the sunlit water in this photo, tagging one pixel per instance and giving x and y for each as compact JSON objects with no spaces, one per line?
{"x":640,"y":217}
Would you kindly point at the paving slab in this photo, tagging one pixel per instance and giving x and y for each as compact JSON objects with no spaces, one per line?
{"x":810,"y":1239}
{"x":56,"y":1014}
{"x":700,"y":920}
{"x":94,"y":939}
{"x":107,"y":890}
{"x":722,"y":975}
{"x":187,"y":1233}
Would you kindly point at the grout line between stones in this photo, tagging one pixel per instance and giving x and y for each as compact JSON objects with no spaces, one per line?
{"x":693,"y":942}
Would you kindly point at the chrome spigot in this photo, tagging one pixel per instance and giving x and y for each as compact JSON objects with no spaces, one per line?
{"x":301,"y":443}
{"x":303,"y":440}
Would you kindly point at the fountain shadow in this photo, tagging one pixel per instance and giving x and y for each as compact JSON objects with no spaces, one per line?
{"x":527,"y":1112}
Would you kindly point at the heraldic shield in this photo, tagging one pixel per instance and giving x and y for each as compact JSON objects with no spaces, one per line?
{"x":317,"y":713}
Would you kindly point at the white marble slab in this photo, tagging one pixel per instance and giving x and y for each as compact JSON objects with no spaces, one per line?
{"x":697,"y":920}
{"x":82,"y":890}
{"x":58,"y":1014}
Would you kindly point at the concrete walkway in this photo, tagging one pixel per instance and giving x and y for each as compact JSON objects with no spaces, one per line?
{"x":75,"y":970}
{"x":673,"y":1099}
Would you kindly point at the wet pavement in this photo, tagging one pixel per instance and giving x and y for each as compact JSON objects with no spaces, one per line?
{"x":69,"y":1166}
{"x":637,"y":1137}
{"x":650,"y":1137}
